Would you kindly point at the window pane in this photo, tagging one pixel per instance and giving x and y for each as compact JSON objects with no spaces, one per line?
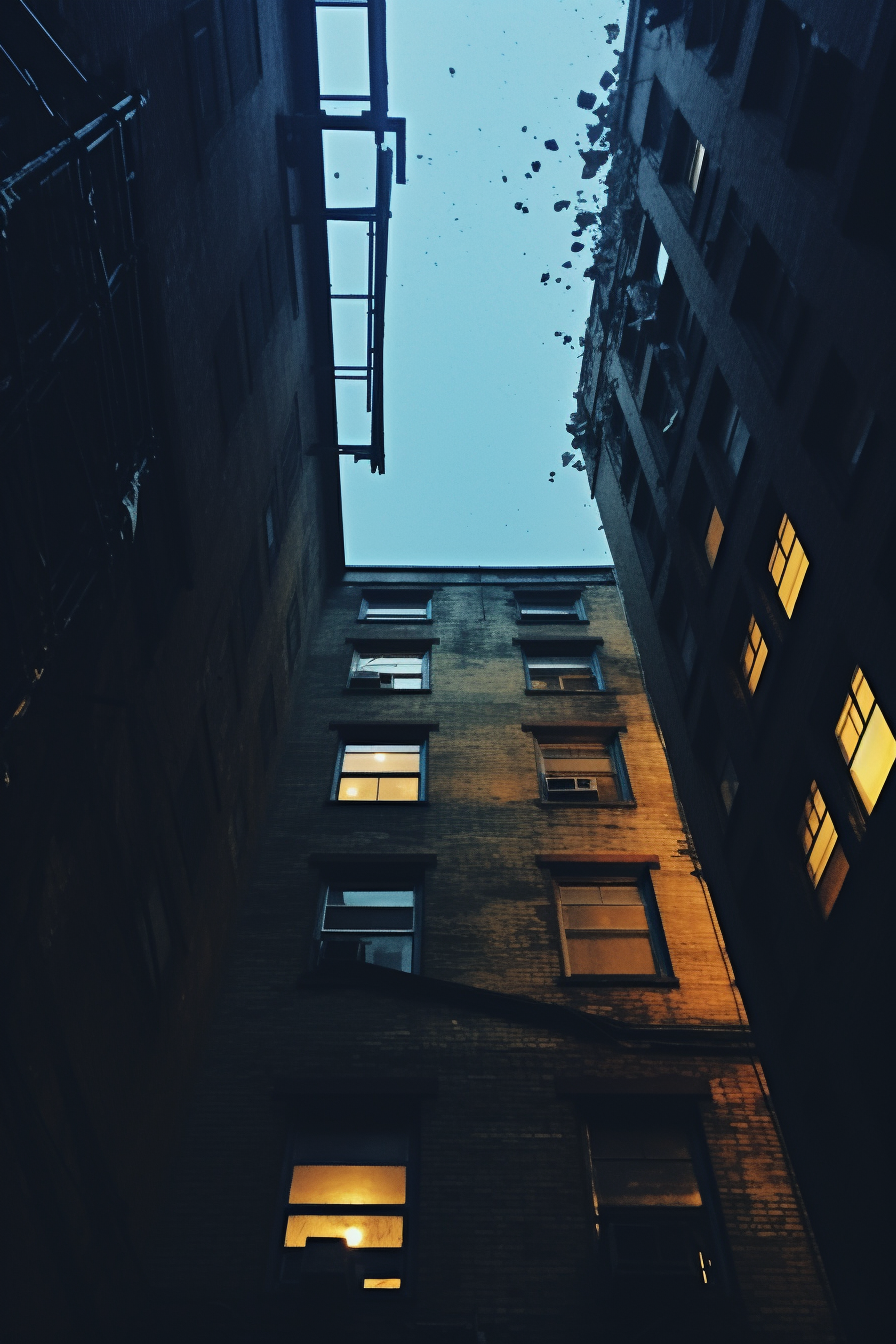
{"x":407,"y":684}
{"x":398,"y":790}
{"x":382,"y":1283}
{"x":714,"y":535}
{"x":347,"y":1185}
{"x":380,"y":1232}
{"x":817,"y":834}
{"x":604,"y":917}
{"x":696,"y":168}
{"x":380,"y":761}
{"x":559,"y":664}
{"x":643,"y":1141}
{"x":753,"y":655}
{"x":596,"y":955}
{"x":396,"y":954}
{"x":617,"y":893}
{"x":874,"y":758}
{"x":357,"y":918}
{"x":669,"y":1184}
{"x":372,"y":897}
{"x":385,"y":663}
{"x":357,"y":790}
{"x":788,"y":565}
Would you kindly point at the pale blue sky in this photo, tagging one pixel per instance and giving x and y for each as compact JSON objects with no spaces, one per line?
{"x":477,"y":386}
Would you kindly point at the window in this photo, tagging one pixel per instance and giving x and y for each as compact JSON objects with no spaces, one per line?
{"x":347,"y":1183}
{"x":677,"y":623}
{"x":555,"y":670}
{"x":768,"y":306}
{"x":647,"y":531}
{"x":723,"y":425}
{"x":713,"y":538}
{"x":606,"y":929}
{"x":662,"y":262}
{"x":649,"y":1206}
{"x":753,"y":656}
{"x":385,"y":671}
{"x":866,"y":740}
{"x":396,"y":606}
{"x":788,"y":565}
{"x":551,"y":606}
{"x":375,"y":923}
{"x":697,"y":164}
{"x":826,"y":863}
{"x":371,"y":773}
{"x":583,"y":771}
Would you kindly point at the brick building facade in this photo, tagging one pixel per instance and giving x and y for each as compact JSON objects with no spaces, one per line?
{"x":735,"y":412}
{"x":478,"y":981}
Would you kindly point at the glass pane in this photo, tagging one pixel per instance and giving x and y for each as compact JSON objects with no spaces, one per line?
{"x":696,"y":168}
{"x":357,"y":790}
{"x":380,"y":762}
{"x":874,"y":758}
{"x":569,"y":663}
{"x":617,"y":893}
{"x":604,"y":917}
{"x":593,"y":764}
{"x":399,"y":790}
{"x":407,"y":684}
{"x":372,"y":897}
{"x":610,"y":955}
{"x":382,"y":1283}
{"x":394,"y":953}
{"x":381,"y":1232}
{"x":578,"y":683}
{"x":670,"y":1184}
{"x":347,"y":1185}
{"x":376,"y":918}
{"x":714,"y":535}
{"x":342,"y":51}
{"x":386,"y":663}
{"x":641,"y":1141}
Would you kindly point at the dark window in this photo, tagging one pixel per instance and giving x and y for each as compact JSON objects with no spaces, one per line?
{"x":782,"y":45}
{"x":647,"y":531}
{"x":241,"y":41}
{"x":395,"y":605}
{"x":199,"y":30}
{"x":250,"y":599}
{"x":389,"y":670}
{"x":768,"y":305}
{"x":230,"y":370}
{"x":717,"y":24}
{"x":550,"y":606}
{"x":725,"y":253}
{"x":684,"y":160}
{"x":715,"y":756}
{"x":381,"y":772}
{"x":267,"y":723}
{"x":677,"y":624}
{"x":658,"y":120}
{"x":345,"y":1209}
{"x":652,"y":1205}
{"x":293,"y":631}
{"x":580,"y":767}
{"x":371,"y":921}
{"x":839,"y":432}
{"x":723,"y":426}
{"x":562,"y":669}
{"x":610,"y":926}
{"x":272,"y":530}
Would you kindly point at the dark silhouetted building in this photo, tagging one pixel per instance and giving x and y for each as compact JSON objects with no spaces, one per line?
{"x":735,"y":413}
{"x":479,"y":1070}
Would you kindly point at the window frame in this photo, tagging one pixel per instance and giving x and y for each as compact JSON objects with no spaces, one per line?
{"x":374,"y":737}
{"x":852,"y":709}
{"x":365,"y":609}
{"x":602,"y":875}
{"x":424,"y":653}
{"x":531,"y":648}
{"x":572,"y":614}
{"x":545,"y":736}
{"x":804,"y":566}
{"x":759,"y":653}
{"x":374,"y":879}
{"x":828,"y":882}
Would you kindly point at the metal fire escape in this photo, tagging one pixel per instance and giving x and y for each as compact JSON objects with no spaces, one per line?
{"x":300,"y":139}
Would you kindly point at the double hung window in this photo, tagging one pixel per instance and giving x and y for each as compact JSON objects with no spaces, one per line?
{"x":397,"y":605}
{"x":583,"y":771}
{"x":371,"y":923}
{"x":826,"y":864}
{"x":373,"y":772}
{"x":347,"y":1194}
{"x":560,"y":671}
{"x":651,"y":1212}
{"x":610,"y":926}
{"x":788,"y":565}
{"x":389,"y":671}
{"x":753,"y":656}
{"x":551,"y":606}
{"x":866,"y":740}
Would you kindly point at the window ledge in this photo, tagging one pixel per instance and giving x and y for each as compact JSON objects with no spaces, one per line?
{"x":583,"y":802}
{"x":636,"y":981}
{"x":530,"y":690}
{"x":377,"y":802}
{"x":424,"y":690}
{"x":394,"y":620}
{"x":551,"y":620}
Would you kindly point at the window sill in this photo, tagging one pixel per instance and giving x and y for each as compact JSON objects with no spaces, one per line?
{"x":394,"y":620}
{"x":636,"y":981}
{"x":378,"y":802}
{"x":583,"y":803}
{"x":348,"y":690}
{"x":530,"y":690}
{"x":551,"y":620}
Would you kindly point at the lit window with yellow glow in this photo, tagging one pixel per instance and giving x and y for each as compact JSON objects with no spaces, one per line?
{"x":608,"y":928}
{"x":753,"y":656}
{"x":866,"y":740}
{"x":355,"y":1209}
{"x":713,"y":539}
{"x":695,"y":170}
{"x":788,"y":565}
{"x":826,"y":862}
{"x":375,"y":773}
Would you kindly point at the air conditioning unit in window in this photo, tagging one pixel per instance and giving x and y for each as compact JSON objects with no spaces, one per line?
{"x":366,"y":681}
{"x":571,"y":784}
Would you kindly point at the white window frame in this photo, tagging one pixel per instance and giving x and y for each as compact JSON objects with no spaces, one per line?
{"x":550,"y":613}
{"x":560,"y":659}
{"x":369,"y":610}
